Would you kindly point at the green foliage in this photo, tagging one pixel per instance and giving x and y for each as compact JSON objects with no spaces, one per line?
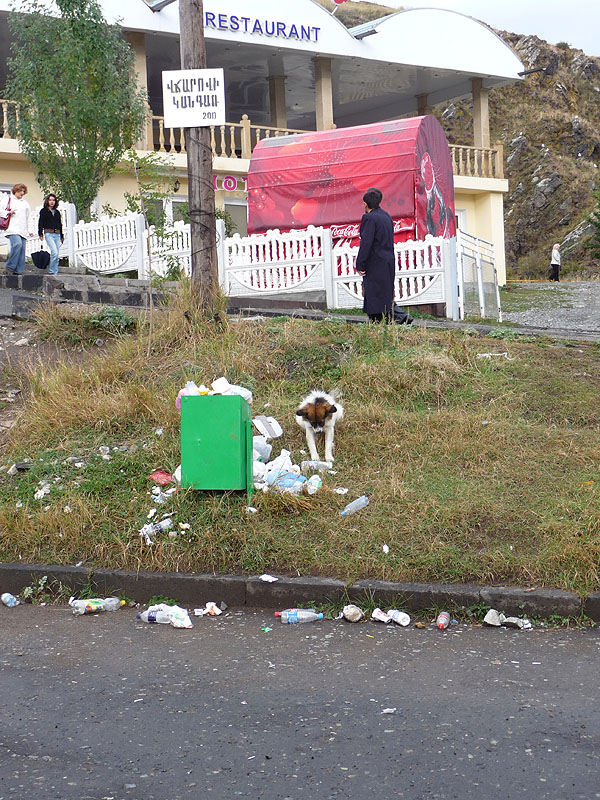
{"x":156,"y":599}
{"x":111,"y":319}
{"x":563,"y":45}
{"x":79,"y":105}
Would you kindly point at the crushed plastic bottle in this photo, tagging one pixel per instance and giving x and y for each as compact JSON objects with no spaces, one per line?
{"x":295,"y":615}
{"x":443,"y":620}
{"x":320,"y":466}
{"x":151,"y":529}
{"x":314,"y":483}
{"x":9,"y":600}
{"x":166,"y":615}
{"x":399,"y":617}
{"x":355,"y":505}
{"x":380,"y":616}
{"x":95,"y":604}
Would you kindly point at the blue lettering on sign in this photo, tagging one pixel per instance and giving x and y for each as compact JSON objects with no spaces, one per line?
{"x":262,"y":27}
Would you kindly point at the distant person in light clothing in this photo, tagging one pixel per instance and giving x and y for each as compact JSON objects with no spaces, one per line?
{"x":555,"y":263}
{"x":19,"y":228}
{"x":50,"y":228}
{"x":376,"y":260}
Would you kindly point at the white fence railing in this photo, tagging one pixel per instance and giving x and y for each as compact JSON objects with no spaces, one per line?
{"x":460,"y":273}
{"x":478,"y":290}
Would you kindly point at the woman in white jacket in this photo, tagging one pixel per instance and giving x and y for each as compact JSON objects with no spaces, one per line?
{"x":19,"y":228}
{"x":555,"y":263}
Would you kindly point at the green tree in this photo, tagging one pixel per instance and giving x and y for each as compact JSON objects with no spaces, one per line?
{"x":79,"y":104}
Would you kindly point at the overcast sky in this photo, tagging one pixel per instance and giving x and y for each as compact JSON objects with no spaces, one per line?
{"x":574,"y":21}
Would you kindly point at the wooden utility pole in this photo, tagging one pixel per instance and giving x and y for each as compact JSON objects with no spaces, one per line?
{"x":201,"y":194}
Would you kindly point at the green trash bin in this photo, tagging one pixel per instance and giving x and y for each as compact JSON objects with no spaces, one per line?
{"x":216,"y":442}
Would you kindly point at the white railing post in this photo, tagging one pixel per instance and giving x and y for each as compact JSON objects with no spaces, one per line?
{"x":479,"y":271}
{"x":141,"y":247}
{"x":221,"y":253}
{"x":460,"y":274}
{"x":328,"y":267}
{"x":71,"y":221}
{"x":448,"y":248}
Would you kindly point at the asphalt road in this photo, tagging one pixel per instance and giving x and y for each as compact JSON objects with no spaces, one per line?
{"x":106,"y":708}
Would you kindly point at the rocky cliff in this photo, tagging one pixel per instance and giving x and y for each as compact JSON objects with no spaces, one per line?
{"x":549,"y":124}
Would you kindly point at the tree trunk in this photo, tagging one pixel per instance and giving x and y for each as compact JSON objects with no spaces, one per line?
{"x":201,"y":195}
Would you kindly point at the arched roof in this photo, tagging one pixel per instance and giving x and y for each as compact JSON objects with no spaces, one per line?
{"x":442,"y":39}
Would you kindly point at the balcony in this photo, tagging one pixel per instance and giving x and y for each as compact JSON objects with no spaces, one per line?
{"x":237,"y":140}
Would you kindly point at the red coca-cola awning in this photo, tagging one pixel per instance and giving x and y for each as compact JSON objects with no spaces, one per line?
{"x":319,"y":179}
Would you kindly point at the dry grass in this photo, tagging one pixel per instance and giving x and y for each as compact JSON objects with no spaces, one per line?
{"x":477,"y":470}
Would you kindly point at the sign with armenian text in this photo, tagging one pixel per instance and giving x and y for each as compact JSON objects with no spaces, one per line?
{"x":193,"y":98}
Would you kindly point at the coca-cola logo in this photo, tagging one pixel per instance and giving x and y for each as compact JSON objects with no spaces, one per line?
{"x":351,"y":230}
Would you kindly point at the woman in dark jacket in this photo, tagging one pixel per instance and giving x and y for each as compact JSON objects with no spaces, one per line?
{"x":376,"y":261}
{"x":50,"y":229}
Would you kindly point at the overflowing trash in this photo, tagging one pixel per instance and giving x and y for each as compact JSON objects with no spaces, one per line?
{"x":9,"y":600}
{"x":355,"y":505}
{"x":161,"y":477}
{"x":95,"y":605}
{"x":320,"y":466}
{"x":163,"y":614}
{"x":219,"y":386}
{"x":496,"y":619}
{"x":267,"y":426}
{"x":297,"y":615}
{"x":492,"y":355}
{"x":267,"y":578}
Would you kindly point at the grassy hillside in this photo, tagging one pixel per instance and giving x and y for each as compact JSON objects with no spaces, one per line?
{"x":549,"y":125}
{"x":479,"y":469}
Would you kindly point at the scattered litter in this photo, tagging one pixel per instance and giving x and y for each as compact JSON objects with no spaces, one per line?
{"x":266,"y":629}
{"x":386,"y":549}
{"x":9,"y":600}
{"x":151,"y":529}
{"x":399,"y":617}
{"x":341,"y":490}
{"x":67,"y":510}
{"x":159,"y":431}
{"x":268,"y":426}
{"x":161,"y":477}
{"x":166,"y":615}
{"x":23,"y":466}
{"x":486,"y":422}
{"x":492,"y":355}
{"x":151,"y":513}
{"x":160,"y":497}
{"x":531,"y":589}
{"x":42,"y":491}
{"x":443,"y":620}
{"x":320,"y":466}
{"x":184,"y":526}
{"x":332,"y":471}
{"x":380,"y":616}
{"x":177,"y":474}
{"x":389,"y":710}
{"x":268,"y":578}
{"x":210,"y":610}
{"x":95,"y":604}
{"x":104,"y":450}
{"x":261,"y":448}
{"x":352,"y":613}
{"x":295,"y":615}
{"x":251,"y":510}
{"x":420,"y":625}
{"x":12,"y":470}
{"x":355,"y":505}
{"x":21,"y":342}
{"x":313,"y":484}
{"x":496,"y":619}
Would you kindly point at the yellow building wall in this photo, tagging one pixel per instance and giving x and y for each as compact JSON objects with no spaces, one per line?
{"x":484,"y":212}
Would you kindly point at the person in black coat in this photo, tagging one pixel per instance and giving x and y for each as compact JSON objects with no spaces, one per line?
{"x":376,"y":261}
{"x":50,"y":228}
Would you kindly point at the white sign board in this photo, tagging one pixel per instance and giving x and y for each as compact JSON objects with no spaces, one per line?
{"x":193,"y":98}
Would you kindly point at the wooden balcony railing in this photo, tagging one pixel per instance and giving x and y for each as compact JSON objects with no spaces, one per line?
{"x":238,"y":140}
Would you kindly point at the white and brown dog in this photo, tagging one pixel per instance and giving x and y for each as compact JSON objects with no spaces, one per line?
{"x":318,"y":414}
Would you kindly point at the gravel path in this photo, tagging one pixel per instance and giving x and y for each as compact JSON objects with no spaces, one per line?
{"x":563,"y":306}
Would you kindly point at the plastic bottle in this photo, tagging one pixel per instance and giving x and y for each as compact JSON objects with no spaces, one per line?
{"x":355,"y":505}
{"x":160,"y":616}
{"x":399,"y":617}
{"x":294,"y":615}
{"x":96,"y":604}
{"x":151,"y":529}
{"x":9,"y":600}
{"x":443,"y":620}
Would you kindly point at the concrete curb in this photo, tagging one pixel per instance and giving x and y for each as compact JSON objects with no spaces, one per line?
{"x":238,"y":590}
